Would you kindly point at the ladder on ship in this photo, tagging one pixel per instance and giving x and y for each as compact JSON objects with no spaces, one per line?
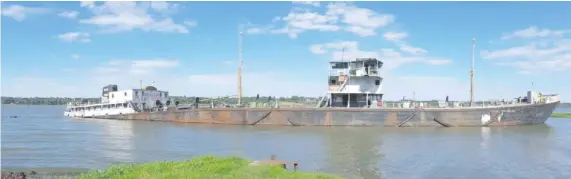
{"x":135,"y":107}
{"x":326,"y":98}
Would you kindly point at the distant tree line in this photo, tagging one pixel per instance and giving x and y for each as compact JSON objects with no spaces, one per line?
{"x":43,"y":100}
{"x":181,"y":99}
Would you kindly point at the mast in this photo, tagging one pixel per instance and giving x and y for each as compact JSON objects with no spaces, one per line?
{"x":347,"y":79}
{"x":240,"y":69}
{"x":472,"y":74}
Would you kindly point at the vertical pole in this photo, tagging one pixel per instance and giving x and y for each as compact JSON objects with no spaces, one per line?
{"x":413,"y":99}
{"x":472,"y":73}
{"x":240,"y":69}
{"x":367,"y":100}
{"x":348,"y":100}
{"x":347,"y":79}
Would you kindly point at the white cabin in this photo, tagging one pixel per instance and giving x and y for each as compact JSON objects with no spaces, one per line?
{"x":142,"y":98}
{"x":115,"y":102}
{"x":354,"y":83}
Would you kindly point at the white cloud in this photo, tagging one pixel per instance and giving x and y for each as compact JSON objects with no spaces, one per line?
{"x":27,"y":86}
{"x":545,"y":55}
{"x":338,"y":16}
{"x":317,"y":49}
{"x":20,"y":13}
{"x":398,"y":39}
{"x":366,"y":20}
{"x":395,"y":36}
{"x":533,"y":32}
{"x":311,"y":3}
{"x":534,"y":58}
{"x":127,"y":73}
{"x":125,"y":16}
{"x":390,"y":57}
{"x":159,"y":5}
{"x":136,"y":67}
{"x":190,"y":23}
{"x":69,"y":14}
{"x":412,"y":50}
{"x":75,"y":56}
{"x":340,"y":45}
{"x":425,"y":87}
{"x":255,"y":30}
{"x":361,"y":31}
{"x":227,"y":62}
{"x":82,"y":37}
{"x":87,"y":4}
{"x":160,"y":63}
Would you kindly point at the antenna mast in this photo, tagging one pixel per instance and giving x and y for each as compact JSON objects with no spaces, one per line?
{"x":472,"y":74}
{"x":240,"y":69}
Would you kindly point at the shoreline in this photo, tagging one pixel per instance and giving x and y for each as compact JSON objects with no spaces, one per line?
{"x":566,"y":115}
{"x":205,"y":166}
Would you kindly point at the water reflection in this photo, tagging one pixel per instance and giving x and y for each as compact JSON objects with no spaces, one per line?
{"x":353,"y":152}
{"x":117,"y":139}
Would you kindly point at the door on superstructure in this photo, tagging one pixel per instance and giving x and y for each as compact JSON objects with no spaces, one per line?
{"x":345,"y":100}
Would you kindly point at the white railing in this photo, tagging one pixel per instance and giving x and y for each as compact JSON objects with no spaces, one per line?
{"x":354,"y":72}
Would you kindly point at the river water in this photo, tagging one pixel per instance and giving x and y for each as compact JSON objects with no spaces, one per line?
{"x":45,"y":141}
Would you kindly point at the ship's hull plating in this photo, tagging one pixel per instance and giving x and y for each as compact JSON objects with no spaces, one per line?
{"x":388,"y":117}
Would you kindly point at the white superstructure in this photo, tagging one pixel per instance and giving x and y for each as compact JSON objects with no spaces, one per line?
{"x":354,"y":83}
{"x":114,"y":102}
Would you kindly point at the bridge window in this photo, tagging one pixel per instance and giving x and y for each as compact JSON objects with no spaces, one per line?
{"x":339,"y":65}
{"x":332,"y":82}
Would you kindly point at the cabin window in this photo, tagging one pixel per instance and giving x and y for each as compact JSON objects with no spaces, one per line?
{"x":377,"y":82}
{"x":332,"y":82}
{"x":112,"y":96}
{"x":125,"y":93}
{"x":124,"y":105}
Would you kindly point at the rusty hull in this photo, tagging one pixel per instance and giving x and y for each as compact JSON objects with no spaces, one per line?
{"x":387,"y":117}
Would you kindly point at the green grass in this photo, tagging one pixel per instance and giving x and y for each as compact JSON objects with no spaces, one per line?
{"x":204,"y":167}
{"x":561,"y":115}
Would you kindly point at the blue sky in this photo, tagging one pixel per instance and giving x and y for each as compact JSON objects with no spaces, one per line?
{"x":190,"y":48}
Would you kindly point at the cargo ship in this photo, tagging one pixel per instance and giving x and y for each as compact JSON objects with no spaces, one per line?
{"x":354,"y":98}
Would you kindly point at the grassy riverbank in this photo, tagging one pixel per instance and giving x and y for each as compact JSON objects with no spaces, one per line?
{"x":201,"y":167}
{"x":561,"y":115}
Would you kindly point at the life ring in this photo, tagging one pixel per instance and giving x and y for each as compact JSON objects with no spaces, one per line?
{"x":380,"y":103}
